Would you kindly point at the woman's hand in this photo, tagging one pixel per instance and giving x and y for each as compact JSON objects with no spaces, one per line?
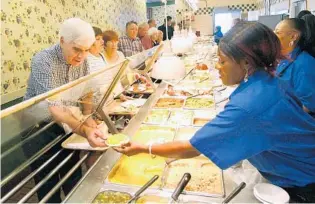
{"x":131,"y":148}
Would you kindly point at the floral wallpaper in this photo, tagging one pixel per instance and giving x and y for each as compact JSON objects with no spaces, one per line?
{"x":28,"y":26}
{"x":159,"y":11}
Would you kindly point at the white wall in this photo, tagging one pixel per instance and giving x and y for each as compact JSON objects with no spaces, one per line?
{"x":204,"y":21}
{"x":311,"y":5}
{"x":278,"y":7}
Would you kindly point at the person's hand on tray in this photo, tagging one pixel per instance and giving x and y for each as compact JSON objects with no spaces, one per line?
{"x":142,"y":79}
{"x":90,"y":122}
{"x":95,"y":136}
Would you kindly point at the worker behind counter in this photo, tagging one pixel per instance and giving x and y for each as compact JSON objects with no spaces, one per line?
{"x":298,"y":68}
{"x":51,"y":68}
{"x":263,"y":121}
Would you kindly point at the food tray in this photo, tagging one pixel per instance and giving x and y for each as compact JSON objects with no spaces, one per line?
{"x":206,"y":177}
{"x":170,"y":103}
{"x":154,"y":134}
{"x":157,"y":116}
{"x":139,"y":88}
{"x":114,"y":108}
{"x":185,"y":133}
{"x":200,"y":121}
{"x":181,"y":117}
{"x":137,"y":170}
{"x":110,"y":196}
{"x":199,"y":103}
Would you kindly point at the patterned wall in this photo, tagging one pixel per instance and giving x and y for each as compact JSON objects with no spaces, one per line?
{"x":158,"y":13}
{"x":28,"y":26}
{"x":243,"y":7}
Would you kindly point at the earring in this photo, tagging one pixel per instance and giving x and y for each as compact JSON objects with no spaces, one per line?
{"x":246,"y":74}
{"x":291,"y":43}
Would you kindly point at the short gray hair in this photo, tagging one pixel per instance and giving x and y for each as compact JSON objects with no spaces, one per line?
{"x":142,"y":25}
{"x":77,"y":31}
{"x":152,"y":31}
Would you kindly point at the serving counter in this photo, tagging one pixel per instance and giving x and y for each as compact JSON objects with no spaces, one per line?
{"x":97,"y":179}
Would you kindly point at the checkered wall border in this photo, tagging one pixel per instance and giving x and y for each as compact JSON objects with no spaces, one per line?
{"x":208,"y":10}
{"x":243,"y":7}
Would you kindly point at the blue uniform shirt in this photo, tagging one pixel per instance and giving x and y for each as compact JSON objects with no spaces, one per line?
{"x":300,"y":73}
{"x":264,"y":123}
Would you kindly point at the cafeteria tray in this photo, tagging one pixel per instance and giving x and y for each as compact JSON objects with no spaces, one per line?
{"x":77,"y":142}
{"x":199,"y":168}
{"x":170,"y":102}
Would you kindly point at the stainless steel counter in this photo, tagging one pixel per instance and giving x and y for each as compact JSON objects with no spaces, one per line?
{"x":94,"y":180}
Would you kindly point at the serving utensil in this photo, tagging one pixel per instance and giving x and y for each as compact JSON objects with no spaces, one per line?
{"x":143,"y":188}
{"x":180,"y":187}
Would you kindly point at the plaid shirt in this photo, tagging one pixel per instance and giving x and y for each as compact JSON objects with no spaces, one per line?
{"x":50,"y":70}
{"x":130,"y":47}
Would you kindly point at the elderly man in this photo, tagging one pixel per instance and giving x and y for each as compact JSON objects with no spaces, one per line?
{"x":152,"y":23}
{"x":52,"y":68}
{"x":130,"y":44}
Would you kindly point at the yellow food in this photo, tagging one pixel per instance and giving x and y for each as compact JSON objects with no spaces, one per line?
{"x":112,"y":197}
{"x":137,"y":170}
{"x":151,"y":199}
{"x":181,"y":117}
{"x":169,"y":103}
{"x":157,"y":116}
{"x":117,"y":139}
{"x":185,"y":133}
{"x":154,"y":134}
{"x":199,"y":103}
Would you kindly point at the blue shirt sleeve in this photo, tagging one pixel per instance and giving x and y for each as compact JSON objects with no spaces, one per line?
{"x":232,"y":136}
{"x":304,"y":86}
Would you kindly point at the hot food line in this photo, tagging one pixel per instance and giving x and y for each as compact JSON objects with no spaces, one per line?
{"x":175,"y":111}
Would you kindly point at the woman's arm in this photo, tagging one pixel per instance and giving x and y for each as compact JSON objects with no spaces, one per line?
{"x":176,"y":149}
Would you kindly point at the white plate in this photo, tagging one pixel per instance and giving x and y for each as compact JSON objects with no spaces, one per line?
{"x":269,"y":193}
{"x":136,"y":103}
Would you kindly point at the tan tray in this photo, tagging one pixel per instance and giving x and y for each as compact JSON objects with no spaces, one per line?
{"x":78,"y":142}
{"x":109,"y":109}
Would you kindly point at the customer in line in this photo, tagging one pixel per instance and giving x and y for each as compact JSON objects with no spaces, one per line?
{"x":50,"y":69}
{"x":152,"y":23}
{"x":130,"y":44}
{"x":151,"y":39}
{"x":303,"y":13}
{"x":298,"y":67}
{"x":262,"y":122}
{"x":143,"y":30}
{"x":170,"y":30}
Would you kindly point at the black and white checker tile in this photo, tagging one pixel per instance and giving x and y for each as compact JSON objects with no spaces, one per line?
{"x":243,"y":7}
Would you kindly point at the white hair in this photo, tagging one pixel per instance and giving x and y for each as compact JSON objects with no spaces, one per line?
{"x":77,"y":31}
{"x":152,"y":31}
{"x":143,"y":25}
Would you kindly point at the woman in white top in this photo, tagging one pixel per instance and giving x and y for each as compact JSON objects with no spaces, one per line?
{"x":111,"y":53}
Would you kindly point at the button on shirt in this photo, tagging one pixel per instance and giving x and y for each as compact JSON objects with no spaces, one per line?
{"x":264,"y":123}
{"x":50,"y":70}
{"x":299,"y":71}
{"x":129,"y":46}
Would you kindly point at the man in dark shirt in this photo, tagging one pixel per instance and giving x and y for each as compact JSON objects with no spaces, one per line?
{"x":170,"y":30}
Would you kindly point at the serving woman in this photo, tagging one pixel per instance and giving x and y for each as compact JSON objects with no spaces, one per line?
{"x":263,"y":121}
{"x":299,"y":66}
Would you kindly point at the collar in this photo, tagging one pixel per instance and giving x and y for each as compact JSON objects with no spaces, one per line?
{"x":256,"y":76}
{"x":60,"y":54}
{"x":284,"y":64}
{"x":126,"y":36}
